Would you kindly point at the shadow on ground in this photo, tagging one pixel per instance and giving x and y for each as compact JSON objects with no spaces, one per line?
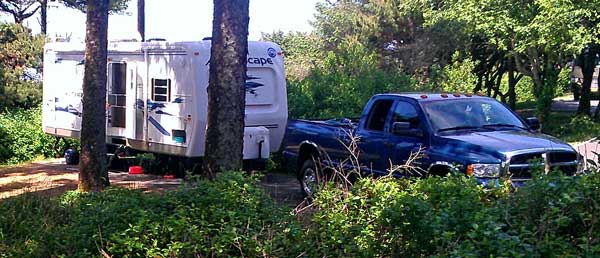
{"x":54,"y":177}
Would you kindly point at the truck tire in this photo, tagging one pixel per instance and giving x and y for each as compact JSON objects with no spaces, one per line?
{"x":71,"y":157}
{"x":308,"y":175}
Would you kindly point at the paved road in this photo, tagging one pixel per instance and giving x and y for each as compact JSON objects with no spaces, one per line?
{"x":570,"y":105}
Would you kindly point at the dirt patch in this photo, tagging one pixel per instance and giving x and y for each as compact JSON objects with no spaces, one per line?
{"x":283,"y":188}
{"x":54,"y":177}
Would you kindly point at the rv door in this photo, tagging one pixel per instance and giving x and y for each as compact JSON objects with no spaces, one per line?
{"x":117,"y":100}
{"x":133,"y":88}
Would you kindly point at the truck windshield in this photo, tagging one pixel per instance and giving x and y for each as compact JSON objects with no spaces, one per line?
{"x":470,"y":114}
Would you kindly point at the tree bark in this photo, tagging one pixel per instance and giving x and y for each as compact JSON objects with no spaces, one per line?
{"x":512,"y":95}
{"x":44,"y":16}
{"x":93,"y":173}
{"x":141,"y":19}
{"x":587,"y":68}
{"x":226,"y":89}
{"x":597,"y":111}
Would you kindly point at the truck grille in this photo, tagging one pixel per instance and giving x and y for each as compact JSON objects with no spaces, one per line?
{"x":520,"y":167}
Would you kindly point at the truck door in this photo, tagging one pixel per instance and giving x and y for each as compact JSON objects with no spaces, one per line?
{"x":399,"y":147}
{"x":373,"y":135}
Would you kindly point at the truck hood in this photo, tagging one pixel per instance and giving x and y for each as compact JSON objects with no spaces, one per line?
{"x":498,"y":143}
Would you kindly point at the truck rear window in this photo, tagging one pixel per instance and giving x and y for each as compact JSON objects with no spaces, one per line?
{"x":378,"y":114}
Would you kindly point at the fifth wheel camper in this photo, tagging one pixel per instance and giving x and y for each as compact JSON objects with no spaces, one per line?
{"x":157,"y":98}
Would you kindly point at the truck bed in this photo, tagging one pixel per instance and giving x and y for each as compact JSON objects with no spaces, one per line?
{"x":330,"y":134}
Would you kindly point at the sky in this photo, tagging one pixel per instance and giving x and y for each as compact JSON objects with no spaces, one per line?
{"x":180,"y":20}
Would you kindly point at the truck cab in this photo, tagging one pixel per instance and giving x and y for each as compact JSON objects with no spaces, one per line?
{"x":475,"y":135}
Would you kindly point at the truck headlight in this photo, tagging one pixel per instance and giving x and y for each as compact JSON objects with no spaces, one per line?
{"x":484,"y":170}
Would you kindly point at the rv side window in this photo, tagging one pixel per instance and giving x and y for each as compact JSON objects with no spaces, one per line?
{"x":161,"y":90}
{"x":118,"y":78}
{"x":116,"y":94}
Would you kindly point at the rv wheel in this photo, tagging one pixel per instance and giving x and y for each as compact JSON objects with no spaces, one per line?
{"x":71,"y":157}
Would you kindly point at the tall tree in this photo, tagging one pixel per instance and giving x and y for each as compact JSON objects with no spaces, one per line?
{"x":43,"y":16}
{"x":536,"y":34}
{"x":587,"y":61}
{"x":226,"y":92}
{"x":93,"y":173}
{"x":116,"y":6}
{"x":19,"y":9}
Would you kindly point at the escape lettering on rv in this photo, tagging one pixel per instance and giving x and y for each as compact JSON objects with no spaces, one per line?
{"x":260,"y":60}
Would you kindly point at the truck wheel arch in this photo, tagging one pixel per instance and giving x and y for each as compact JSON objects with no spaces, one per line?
{"x":307,"y":150}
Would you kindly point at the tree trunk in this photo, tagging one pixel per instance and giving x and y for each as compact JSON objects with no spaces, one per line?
{"x":587,"y":68}
{"x":512,"y":95}
{"x":141,"y":22}
{"x":226,"y":88}
{"x":597,"y":112}
{"x":44,"y":16}
{"x":93,"y":173}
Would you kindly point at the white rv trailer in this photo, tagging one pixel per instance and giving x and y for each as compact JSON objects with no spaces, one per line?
{"x":157,"y":98}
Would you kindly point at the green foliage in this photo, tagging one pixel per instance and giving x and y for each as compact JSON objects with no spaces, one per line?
{"x":147,"y":161}
{"x":301,"y":51}
{"x":572,"y":129}
{"x":230,"y":216}
{"x":553,"y":216}
{"x":457,"y":76}
{"x":30,"y":226}
{"x":116,"y":6}
{"x":20,"y":61}
{"x":342,"y":86}
{"x":401,"y":218}
{"x":393,"y":29}
{"x":22,"y":138}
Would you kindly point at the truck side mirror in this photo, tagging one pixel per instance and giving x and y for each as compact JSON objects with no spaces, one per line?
{"x":403,"y":128}
{"x":533,"y":123}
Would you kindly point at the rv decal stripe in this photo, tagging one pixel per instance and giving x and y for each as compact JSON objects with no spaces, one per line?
{"x":160,"y":112}
{"x":159,"y":127}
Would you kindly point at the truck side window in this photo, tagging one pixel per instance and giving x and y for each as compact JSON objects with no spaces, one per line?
{"x":378,"y":114}
{"x":406,"y":112}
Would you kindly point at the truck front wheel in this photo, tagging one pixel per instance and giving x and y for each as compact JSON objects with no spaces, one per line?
{"x":309,"y":178}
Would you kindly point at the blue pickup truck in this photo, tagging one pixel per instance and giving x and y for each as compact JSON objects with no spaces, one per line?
{"x":475,"y":135}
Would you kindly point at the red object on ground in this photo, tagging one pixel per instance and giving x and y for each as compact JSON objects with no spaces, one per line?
{"x":136,"y":170}
{"x":169,"y":176}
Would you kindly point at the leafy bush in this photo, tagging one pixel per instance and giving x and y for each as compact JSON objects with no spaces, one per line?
{"x":552,"y":216}
{"x":577,"y":129}
{"x":400,"y":218}
{"x":22,"y":138}
{"x":20,"y":67}
{"x":342,"y":85}
{"x":230,"y":216}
